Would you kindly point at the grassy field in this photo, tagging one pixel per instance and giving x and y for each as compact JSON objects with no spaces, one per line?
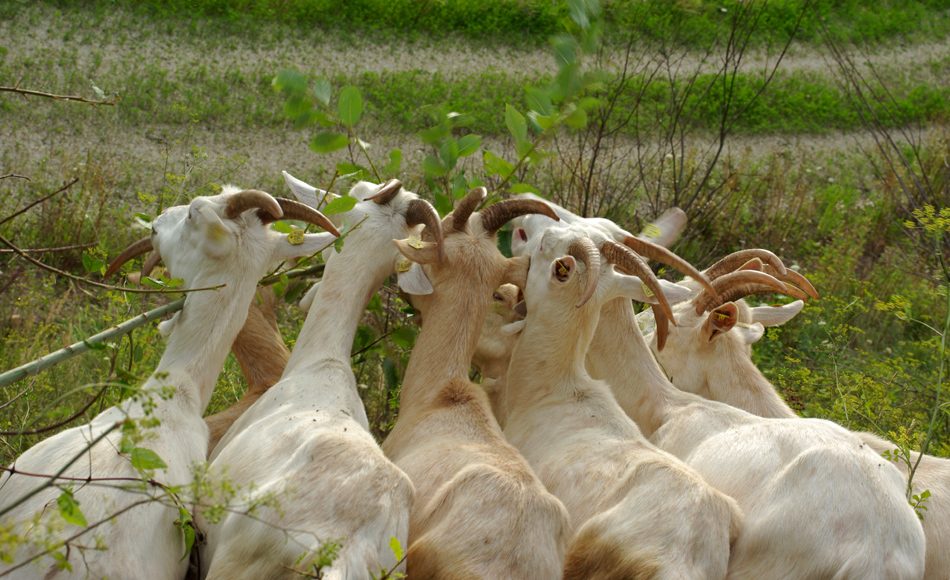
{"x":798,"y":171}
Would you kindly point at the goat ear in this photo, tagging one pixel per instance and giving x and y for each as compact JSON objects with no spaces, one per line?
{"x":720,"y":321}
{"x":414,"y":280}
{"x":311,"y":243}
{"x":166,"y":327}
{"x":752,"y":333}
{"x":419,"y":252}
{"x":633,"y":287}
{"x":216,"y":240}
{"x":755,"y":264}
{"x":776,"y":315}
{"x":665,"y":229}
{"x":512,"y":327}
{"x":307,"y":301}
{"x":308,"y":194}
{"x":517,"y":272}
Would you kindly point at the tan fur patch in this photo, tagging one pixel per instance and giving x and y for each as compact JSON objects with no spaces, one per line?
{"x":589,"y":558}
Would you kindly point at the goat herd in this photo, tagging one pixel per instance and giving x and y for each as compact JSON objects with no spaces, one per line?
{"x":575,"y":457}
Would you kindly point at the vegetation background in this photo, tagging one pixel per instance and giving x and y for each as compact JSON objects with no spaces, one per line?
{"x":821,"y":156}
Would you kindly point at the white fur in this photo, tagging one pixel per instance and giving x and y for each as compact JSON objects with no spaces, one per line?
{"x":307,"y":438}
{"x":204,"y":248}
{"x":818,"y":502}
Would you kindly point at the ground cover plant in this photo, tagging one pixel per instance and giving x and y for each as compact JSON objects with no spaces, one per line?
{"x":833,"y":156}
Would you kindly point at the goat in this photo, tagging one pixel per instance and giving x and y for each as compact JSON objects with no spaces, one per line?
{"x":499,"y":334}
{"x":217,"y":240}
{"x":307,"y":438}
{"x":480,"y":511}
{"x":720,"y":368}
{"x":640,"y":512}
{"x":818,"y":502}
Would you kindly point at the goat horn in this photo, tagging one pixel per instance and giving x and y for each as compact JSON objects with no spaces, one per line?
{"x":744,"y":283}
{"x":135,"y":249}
{"x":387,"y":192}
{"x":153,"y":259}
{"x":421,"y":212}
{"x":632,"y":264}
{"x":662,"y":327}
{"x":251,"y":198}
{"x":736,"y":259}
{"x":294,"y":210}
{"x":664,"y":256}
{"x":465,"y":208}
{"x":584,"y":250}
{"x":503,"y":212}
{"x":796,"y":279}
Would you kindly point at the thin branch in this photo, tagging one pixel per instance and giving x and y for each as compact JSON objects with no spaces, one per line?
{"x":41,"y":200}
{"x":26,"y":93}
{"x":69,"y":419}
{"x":45,"y":250}
{"x":9,"y":175}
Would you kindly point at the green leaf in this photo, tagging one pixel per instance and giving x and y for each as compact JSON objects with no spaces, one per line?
{"x":327,"y":142}
{"x":538,"y":101}
{"x":146,"y":459}
{"x":403,"y":337}
{"x":351,"y":106}
{"x":395,"y":162}
{"x":290,"y":82}
{"x":433,"y":135}
{"x":346,"y":170}
{"x":389,"y":372}
{"x":524,"y":188}
{"x":396,"y":547}
{"x":91,"y":263}
{"x":342,"y":204}
{"x":468,"y":145}
{"x":449,"y":152}
{"x":578,"y":13}
{"x":153,"y":283}
{"x":184,"y":522}
{"x":516,"y":124}
{"x":69,"y":509}
{"x":577,"y":119}
{"x":282,"y":227}
{"x":542,"y":122}
{"x":443,"y":203}
{"x":495,"y":165}
{"x":565,"y":50}
{"x":321,"y":90}
{"x":432,"y":166}
{"x":457,"y":120}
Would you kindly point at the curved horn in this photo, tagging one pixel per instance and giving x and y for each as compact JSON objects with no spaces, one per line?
{"x":795,"y":278}
{"x":153,"y":259}
{"x":664,"y":256}
{"x":743,"y":283}
{"x":465,"y":208}
{"x":736,"y":259}
{"x":251,"y":198}
{"x":624,"y":258}
{"x":584,"y":250}
{"x":387,"y":192}
{"x":421,"y":212}
{"x":503,"y":212}
{"x":135,"y":249}
{"x":294,"y":210}
{"x":662,"y":327}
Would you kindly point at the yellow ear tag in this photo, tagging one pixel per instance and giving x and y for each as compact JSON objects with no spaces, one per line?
{"x":646,"y":290}
{"x":295,"y":237}
{"x":403,"y":266}
{"x":415,"y":242}
{"x":561,"y":268}
{"x":651,"y":231}
{"x":722,"y":316}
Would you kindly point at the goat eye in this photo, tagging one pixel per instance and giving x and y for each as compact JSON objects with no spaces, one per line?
{"x":496,"y":297}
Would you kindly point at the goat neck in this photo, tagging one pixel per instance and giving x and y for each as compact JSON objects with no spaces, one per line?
{"x":619,"y":355}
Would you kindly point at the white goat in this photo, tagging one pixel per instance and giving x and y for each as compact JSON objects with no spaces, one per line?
{"x":640,"y":512}
{"x":818,"y":502}
{"x":720,"y":368}
{"x":307,"y":438}
{"x":480,"y":510}
{"x":212,"y":241}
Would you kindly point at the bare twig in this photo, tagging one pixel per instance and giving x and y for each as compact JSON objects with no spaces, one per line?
{"x":39,"y":201}
{"x":26,"y":93}
{"x":45,"y":250}
{"x":14,"y":175}
{"x":69,"y":419}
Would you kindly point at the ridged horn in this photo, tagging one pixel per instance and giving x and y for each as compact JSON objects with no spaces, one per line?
{"x":584,"y":250}
{"x":662,"y":328}
{"x":736,"y":259}
{"x":630,"y":263}
{"x":464,"y":209}
{"x":421,"y":212}
{"x":795,"y":278}
{"x":503,"y":212}
{"x":743,"y":283}
{"x":653,"y":251}
{"x":153,"y":259}
{"x":294,"y":210}
{"x":251,"y":198}
{"x":135,"y":249}
{"x":387,"y":192}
